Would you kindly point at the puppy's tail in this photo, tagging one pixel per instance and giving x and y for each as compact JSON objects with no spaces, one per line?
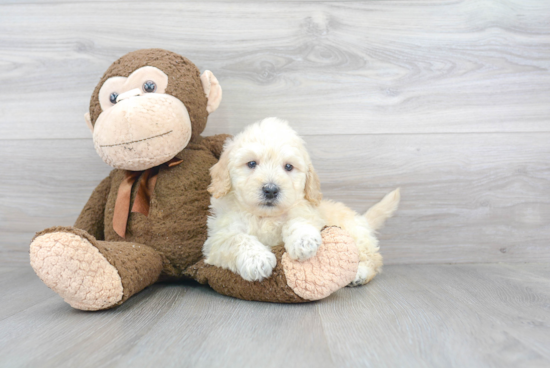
{"x":383,"y":210}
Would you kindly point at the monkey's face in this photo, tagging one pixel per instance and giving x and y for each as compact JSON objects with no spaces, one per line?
{"x":148,"y":106}
{"x":140,"y":126}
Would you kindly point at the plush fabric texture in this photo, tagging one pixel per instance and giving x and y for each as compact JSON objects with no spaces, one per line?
{"x":146,"y":188}
{"x":149,"y":131}
{"x":106,"y":273}
{"x":130,"y":84}
{"x":138,"y":265}
{"x":92,"y":215}
{"x":292,"y":281}
{"x":215,"y":143}
{"x":75,"y":269}
{"x":176,"y":224}
{"x":273,"y":289}
{"x":94,"y":268}
{"x":333,"y":267}
{"x":188,"y":88}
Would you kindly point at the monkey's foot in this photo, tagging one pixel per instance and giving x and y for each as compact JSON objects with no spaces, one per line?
{"x":333,"y":267}
{"x":75,"y":269}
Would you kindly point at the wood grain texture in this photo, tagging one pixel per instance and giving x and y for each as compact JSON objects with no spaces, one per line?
{"x":332,"y":68}
{"x":472,"y":198}
{"x":450,"y":316}
{"x":411,"y":316}
{"x":465,"y":198}
{"x":447,"y":100}
{"x":20,"y":291}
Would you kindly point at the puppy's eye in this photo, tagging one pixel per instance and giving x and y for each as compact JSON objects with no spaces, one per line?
{"x":252,"y":164}
{"x":112,"y":97}
{"x":289,"y":167}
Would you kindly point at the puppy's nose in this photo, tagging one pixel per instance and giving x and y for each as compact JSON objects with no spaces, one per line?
{"x":270,"y":191}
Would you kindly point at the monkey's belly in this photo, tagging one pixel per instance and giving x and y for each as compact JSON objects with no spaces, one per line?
{"x":176,"y":228}
{"x":176,"y":224}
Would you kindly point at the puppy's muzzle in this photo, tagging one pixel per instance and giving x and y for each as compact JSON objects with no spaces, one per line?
{"x":270,"y":192}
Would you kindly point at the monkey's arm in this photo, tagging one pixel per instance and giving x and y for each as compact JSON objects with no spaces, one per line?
{"x":215,"y":143}
{"x":92,"y":216}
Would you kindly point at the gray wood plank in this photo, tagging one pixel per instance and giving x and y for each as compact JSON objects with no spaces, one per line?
{"x":465,"y":198}
{"x":29,"y":291}
{"x":510,"y":301}
{"x":478,"y":198}
{"x":9,"y":2}
{"x":45,"y":184}
{"x":442,"y":316}
{"x":484,"y":315}
{"x":538,"y":272}
{"x":332,"y":68}
{"x":197,"y":328}
{"x":229,"y":332}
{"x":66,"y":337}
{"x":7,"y":269}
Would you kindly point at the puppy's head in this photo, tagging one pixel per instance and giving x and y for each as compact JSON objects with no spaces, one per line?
{"x":267,"y":168}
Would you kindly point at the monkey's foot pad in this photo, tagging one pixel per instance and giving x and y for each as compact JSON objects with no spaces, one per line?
{"x":76,"y":270}
{"x":333,"y":267}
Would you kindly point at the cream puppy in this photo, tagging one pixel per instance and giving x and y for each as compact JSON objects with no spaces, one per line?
{"x":265,"y":192}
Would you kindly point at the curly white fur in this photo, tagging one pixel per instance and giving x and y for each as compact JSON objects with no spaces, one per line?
{"x":244,"y":226}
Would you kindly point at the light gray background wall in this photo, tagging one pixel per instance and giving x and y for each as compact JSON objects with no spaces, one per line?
{"x":450,"y":100}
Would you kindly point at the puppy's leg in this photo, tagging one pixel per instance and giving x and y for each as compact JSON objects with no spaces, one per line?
{"x":301,"y":238}
{"x":241,"y":253}
{"x":254,"y":261}
{"x":370,"y":260}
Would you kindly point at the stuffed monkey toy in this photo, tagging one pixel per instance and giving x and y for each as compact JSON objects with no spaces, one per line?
{"x":146,"y":222}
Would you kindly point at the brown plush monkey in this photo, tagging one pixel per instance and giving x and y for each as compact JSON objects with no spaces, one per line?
{"x":146,"y":221}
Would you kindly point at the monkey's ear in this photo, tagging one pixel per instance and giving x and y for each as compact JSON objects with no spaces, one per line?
{"x":221,"y":180}
{"x":89,"y":122}
{"x":212,"y":90}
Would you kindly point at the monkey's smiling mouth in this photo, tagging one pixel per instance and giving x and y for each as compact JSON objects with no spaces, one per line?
{"x":139,"y":140}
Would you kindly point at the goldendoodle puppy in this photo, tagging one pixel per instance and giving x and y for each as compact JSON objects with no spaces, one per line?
{"x":266,"y":192}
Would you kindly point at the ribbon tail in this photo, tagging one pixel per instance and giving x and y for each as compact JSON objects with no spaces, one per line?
{"x":142,"y":203}
{"x":174,"y":162}
{"x":143,"y":196}
{"x":122,"y":204}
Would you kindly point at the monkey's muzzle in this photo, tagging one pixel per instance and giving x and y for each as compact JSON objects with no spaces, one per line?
{"x":142,"y":131}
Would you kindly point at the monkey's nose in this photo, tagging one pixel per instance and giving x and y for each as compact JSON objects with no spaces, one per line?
{"x":270,"y":191}
{"x":131,"y":93}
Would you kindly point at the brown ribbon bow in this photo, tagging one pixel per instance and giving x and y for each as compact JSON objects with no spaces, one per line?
{"x":143,"y":196}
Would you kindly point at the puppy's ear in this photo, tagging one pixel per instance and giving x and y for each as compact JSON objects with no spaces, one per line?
{"x":221,"y":181}
{"x":313,"y":186}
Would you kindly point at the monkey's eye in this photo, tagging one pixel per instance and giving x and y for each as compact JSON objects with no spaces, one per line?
{"x":113,"y":97}
{"x":252,"y":164}
{"x":289,"y":167}
{"x":149,"y":86}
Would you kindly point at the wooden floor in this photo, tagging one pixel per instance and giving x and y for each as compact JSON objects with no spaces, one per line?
{"x":483,"y":315}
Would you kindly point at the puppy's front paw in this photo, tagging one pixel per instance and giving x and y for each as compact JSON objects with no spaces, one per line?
{"x":256,"y":265}
{"x":303,"y":244}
